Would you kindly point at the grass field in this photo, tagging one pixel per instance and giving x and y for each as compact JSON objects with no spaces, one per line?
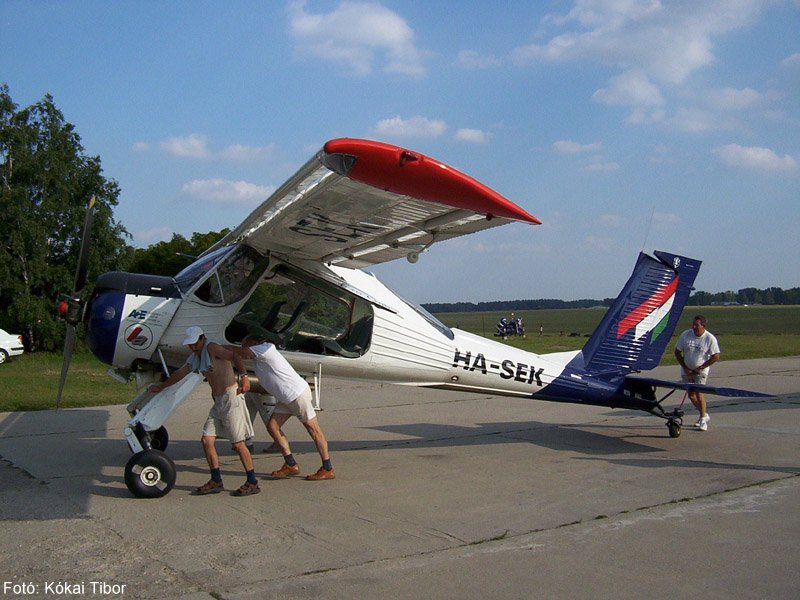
{"x":30,"y":381}
{"x":743,"y":331}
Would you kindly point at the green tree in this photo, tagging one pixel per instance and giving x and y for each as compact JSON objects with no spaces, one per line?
{"x":46,"y":180}
{"x":167,"y":258}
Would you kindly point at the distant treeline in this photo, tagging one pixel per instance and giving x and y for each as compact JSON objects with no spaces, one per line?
{"x":769,"y":296}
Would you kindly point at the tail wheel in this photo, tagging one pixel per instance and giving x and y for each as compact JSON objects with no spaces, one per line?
{"x":674,"y":429}
{"x":150,"y":474}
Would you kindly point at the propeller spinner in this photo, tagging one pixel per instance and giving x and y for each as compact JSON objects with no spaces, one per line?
{"x":71,"y":307}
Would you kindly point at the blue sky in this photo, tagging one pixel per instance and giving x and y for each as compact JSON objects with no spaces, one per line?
{"x":623,"y":125}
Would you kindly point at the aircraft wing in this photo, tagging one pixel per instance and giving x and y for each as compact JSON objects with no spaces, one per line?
{"x":706,"y":389}
{"x":359,"y":203}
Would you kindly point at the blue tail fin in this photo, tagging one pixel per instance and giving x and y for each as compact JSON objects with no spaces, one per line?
{"x":637,"y":328}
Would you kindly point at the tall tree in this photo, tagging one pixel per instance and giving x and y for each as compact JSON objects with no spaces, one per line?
{"x":46,"y":180}
{"x":169,"y":257}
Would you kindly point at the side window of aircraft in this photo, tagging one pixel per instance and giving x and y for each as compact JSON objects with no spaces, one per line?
{"x":210,"y":290}
{"x":303,"y":314}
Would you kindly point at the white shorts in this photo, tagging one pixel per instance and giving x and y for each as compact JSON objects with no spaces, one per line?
{"x":301,"y":407}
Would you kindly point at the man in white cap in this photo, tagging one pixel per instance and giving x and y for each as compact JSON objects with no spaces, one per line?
{"x":228,"y":416}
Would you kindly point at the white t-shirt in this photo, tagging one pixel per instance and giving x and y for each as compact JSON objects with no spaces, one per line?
{"x":276,"y":375}
{"x":697,"y":350}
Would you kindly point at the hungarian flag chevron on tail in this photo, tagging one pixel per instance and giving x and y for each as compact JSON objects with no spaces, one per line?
{"x":637,"y":328}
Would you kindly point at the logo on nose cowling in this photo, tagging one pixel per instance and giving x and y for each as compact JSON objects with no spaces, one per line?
{"x":138,"y":336}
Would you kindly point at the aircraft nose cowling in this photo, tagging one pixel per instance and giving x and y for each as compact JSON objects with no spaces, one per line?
{"x":102,"y":326}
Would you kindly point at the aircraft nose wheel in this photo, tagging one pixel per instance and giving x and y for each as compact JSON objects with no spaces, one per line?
{"x":150,"y":474}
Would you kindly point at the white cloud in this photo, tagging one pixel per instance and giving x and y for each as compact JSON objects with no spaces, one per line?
{"x":414,"y":127}
{"x":240,"y":153}
{"x":191,"y":146}
{"x":569,"y":147}
{"x":754,"y":157}
{"x":197,"y":146}
{"x":223,"y":190}
{"x":631,"y":88}
{"x":695,"y":120}
{"x":475,"y":136}
{"x":667,"y":41}
{"x":470,"y":59}
{"x":792,"y":61}
{"x":148,"y":237}
{"x":141,"y":147}
{"x":353,"y":34}
{"x":733,"y":99}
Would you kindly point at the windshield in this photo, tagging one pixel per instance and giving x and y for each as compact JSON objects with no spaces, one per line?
{"x":233,"y":277}
{"x":192,"y":274}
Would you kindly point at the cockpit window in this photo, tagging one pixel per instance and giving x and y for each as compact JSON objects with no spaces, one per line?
{"x":301,"y":313}
{"x":195,"y":271}
{"x":233,"y":278}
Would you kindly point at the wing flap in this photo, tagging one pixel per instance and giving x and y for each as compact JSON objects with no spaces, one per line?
{"x":360,"y":203}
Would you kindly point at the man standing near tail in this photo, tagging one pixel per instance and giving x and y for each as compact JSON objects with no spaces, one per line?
{"x":697,"y":349}
{"x":293,"y":397}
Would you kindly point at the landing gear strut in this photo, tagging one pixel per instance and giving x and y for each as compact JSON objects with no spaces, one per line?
{"x":674,"y":418}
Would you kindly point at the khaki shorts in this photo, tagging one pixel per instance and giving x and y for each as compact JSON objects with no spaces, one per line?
{"x":700,"y":378}
{"x":301,"y":407}
{"x":229,"y":418}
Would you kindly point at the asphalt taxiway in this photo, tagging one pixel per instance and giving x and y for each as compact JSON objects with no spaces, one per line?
{"x":437,"y":495}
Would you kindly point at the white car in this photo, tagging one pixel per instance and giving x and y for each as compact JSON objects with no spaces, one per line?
{"x":10,"y":345}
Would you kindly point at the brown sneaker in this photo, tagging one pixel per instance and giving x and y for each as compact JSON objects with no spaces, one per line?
{"x":286,"y":471}
{"x":321,"y":474}
{"x":209,"y":487}
{"x":247,"y":489}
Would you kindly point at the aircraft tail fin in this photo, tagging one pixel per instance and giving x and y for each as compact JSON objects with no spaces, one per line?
{"x":635,"y":331}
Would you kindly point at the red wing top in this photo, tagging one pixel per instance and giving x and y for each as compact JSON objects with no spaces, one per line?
{"x":360,"y":203}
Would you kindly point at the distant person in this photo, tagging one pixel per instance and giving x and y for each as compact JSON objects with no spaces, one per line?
{"x":293,"y":397}
{"x":541,"y":329}
{"x":697,"y":349}
{"x":228,"y":416}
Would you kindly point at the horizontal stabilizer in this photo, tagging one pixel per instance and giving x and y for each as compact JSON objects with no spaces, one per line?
{"x":706,"y":389}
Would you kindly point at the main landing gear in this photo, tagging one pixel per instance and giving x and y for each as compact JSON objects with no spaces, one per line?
{"x":674,"y":418}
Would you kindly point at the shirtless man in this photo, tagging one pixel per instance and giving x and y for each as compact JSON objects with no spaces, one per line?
{"x":228,"y":416}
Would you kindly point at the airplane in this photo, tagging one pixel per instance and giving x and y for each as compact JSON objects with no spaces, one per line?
{"x":292,"y":270}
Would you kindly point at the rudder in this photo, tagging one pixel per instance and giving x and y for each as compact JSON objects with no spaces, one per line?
{"x":635,"y":331}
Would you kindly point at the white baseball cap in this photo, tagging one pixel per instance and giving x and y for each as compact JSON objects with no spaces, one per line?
{"x":192,"y":335}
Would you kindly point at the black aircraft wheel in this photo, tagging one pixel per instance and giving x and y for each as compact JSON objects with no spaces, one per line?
{"x":674,"y":429}
{"x":150,"y":474}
